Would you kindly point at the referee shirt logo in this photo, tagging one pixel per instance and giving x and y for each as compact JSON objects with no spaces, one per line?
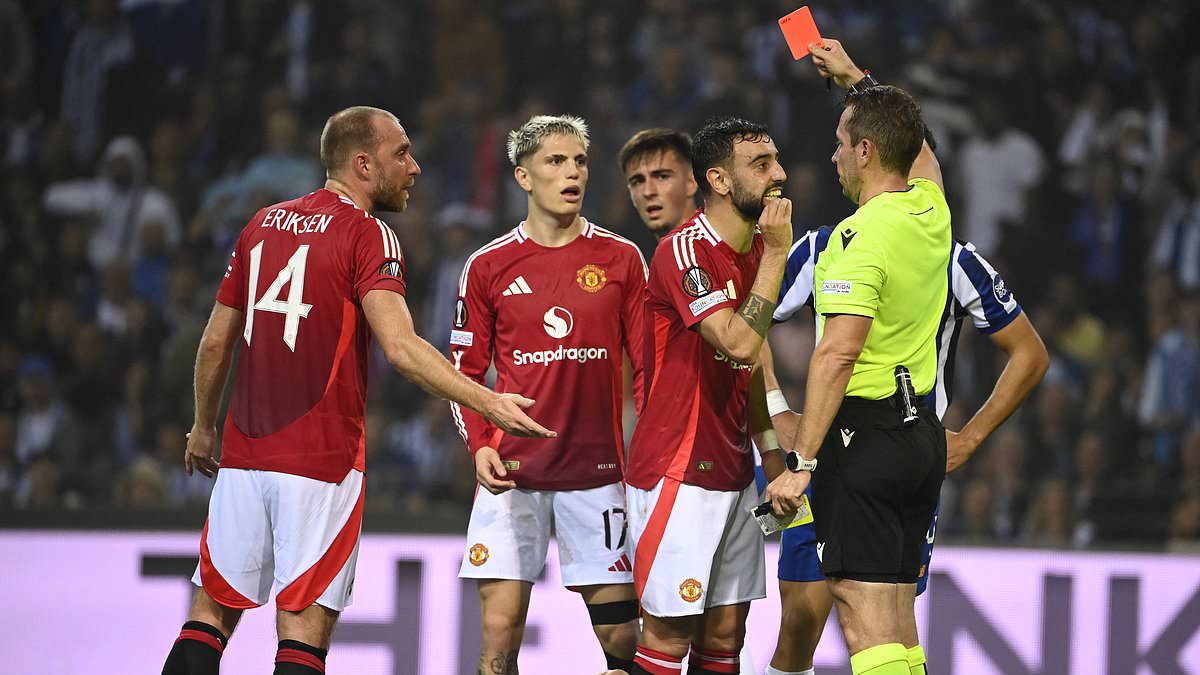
{"x":847,"y":236}
{"x":836,"y":287}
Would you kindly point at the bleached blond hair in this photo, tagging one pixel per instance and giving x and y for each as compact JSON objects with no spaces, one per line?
{"x":526,"y":140}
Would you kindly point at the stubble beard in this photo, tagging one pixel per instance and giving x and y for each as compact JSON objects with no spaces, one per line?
{"x":750,"y":206}
{"x":388,"y":196}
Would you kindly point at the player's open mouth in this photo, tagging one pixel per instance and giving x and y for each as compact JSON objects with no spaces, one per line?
{"x":653,"y":211}
{"x":773,"y":193}
{"x":572,"y":194}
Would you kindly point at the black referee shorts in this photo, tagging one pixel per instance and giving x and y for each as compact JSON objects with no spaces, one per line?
{"x":874,"y":491}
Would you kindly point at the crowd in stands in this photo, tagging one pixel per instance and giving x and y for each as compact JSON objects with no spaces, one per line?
{"x":138,"y":137}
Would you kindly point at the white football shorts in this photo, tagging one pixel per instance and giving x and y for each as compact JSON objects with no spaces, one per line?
{"x":694,"y":548}
{"x":509,"y":533}
{"x":267,"y":527}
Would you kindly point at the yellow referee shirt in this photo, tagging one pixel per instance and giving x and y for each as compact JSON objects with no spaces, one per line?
{"x":888,"y":261}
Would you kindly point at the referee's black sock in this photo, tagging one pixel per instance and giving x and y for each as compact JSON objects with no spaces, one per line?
{"x":197,"y":650}
{"x":296,"y":658}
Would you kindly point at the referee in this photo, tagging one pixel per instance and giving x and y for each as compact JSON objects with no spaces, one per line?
{"x":880,"y":290}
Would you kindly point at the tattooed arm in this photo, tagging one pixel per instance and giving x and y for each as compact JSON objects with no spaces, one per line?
{"x":739,"y":335}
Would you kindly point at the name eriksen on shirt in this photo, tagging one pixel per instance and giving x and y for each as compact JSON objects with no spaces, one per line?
{"x":284,"y":220}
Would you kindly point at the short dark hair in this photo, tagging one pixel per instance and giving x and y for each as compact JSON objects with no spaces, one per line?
{"x":349,"y":131}
{"x":649,"y":142}
{"x":713,"y":145}
{"x":891,"y":118}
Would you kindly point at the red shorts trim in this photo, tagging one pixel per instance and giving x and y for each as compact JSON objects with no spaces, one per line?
{"x":305,"y":590}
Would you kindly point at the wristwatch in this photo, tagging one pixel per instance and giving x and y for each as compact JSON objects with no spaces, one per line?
{"x":865,"y":83}
{"x":797,"y":463}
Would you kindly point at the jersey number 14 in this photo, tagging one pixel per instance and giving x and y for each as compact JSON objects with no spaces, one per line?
{"x":293,"y":308}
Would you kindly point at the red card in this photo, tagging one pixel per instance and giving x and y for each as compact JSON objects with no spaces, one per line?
{"x":799,"y":30}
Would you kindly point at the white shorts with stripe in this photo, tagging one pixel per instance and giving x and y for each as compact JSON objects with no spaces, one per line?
{"x":297,"y":533}
{"x":510,"y":532}
{"x":694,"y":548}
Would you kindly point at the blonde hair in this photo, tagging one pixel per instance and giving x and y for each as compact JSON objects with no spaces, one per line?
{"x":526,"y":139}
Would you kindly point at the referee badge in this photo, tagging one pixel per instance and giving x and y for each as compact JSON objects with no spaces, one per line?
{"x":696,"y":282}
{"x":691,"y":590}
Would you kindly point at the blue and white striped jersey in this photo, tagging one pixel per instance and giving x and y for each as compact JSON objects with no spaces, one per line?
{"x":975,"y":289}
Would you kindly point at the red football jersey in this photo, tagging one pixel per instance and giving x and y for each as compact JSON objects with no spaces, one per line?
{"x":693,"y":423}
{"x":554,"y":322}
{"x":299,"y":273}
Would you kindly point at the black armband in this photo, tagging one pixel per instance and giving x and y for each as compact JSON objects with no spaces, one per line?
{"x":610,"y":613}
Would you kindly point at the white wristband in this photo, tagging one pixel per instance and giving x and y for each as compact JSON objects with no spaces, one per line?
{"x":776,"y":403}
{"x":767,"y":441}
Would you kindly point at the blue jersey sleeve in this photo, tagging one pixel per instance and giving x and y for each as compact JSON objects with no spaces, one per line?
{"x":797,"y":288}
{"x":979,"y":290}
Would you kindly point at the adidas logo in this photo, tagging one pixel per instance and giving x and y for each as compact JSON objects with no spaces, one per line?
{"x":622,"y":565}
{"x":518,"y":287}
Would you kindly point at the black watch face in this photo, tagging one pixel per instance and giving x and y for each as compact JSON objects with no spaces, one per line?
{"x":793,"y":461}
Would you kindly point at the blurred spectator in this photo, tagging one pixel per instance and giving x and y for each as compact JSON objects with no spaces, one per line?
{"x":1089,"y":487}
{"x":170,"y":438}
{"x":423,"y":447}
{"x":459,"y":226}
{"x":141,"y":485}
{"x":1000,"y":166}
{"x":119,"y":203}
{"x":150,"y":266}
{"x":45,"y":423}
{"x":1171,"y":391}
{"x":1078,"y":332}
{"x":1049,"y":521}
{"x":1105,"y":226}
{"x":1004,"y":468}
{"x":1054,"y":422}
{"x":1177,"y":250}
{"x":102,"y":48}
{"x":43,"y":485}
{"x":282,"y":170}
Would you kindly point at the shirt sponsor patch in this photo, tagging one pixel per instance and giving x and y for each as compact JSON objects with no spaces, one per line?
{"x":699,"y":305}
{"x":462,"y":338}
{"x":834,"y":287}
{"x":1000,"y":290}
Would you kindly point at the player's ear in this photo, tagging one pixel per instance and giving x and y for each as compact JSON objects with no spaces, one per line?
{"x":690,"y":185}
{"x":718,"y":179}
{"x":363,"y":165}
{"x":522,"y":176}
{"x":863,"y":152}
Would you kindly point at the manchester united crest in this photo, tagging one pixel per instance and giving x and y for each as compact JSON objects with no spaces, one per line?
{"x":478,"y":555}
{"x":691,"y":590}
{"x":591,"y":278}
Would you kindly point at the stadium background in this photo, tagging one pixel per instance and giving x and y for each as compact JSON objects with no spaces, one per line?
{"x":137,"y":137}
